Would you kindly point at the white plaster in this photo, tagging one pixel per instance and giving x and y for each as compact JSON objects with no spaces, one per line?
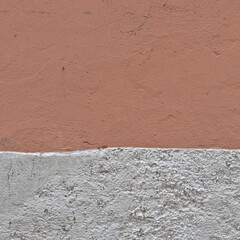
{"x":131,"y":193}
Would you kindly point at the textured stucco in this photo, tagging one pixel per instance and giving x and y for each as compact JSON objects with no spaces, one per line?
{"x":121,"y":194}
{"x":83,"y":74}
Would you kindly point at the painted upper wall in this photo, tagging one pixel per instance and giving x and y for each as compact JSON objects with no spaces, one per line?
{"x":94,"y":73}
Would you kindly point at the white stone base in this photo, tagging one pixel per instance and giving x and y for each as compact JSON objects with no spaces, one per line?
{"x":130,"y":193}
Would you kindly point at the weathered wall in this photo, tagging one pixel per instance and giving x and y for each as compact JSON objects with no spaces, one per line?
{"x":121,"y":194}
{"x":122,"y":73}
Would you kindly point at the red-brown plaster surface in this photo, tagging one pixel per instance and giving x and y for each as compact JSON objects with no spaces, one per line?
{"x":96,"y":73}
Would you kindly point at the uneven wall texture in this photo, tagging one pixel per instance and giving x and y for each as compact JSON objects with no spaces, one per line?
{"x":151,"y":73}
{"x":121,"y":194}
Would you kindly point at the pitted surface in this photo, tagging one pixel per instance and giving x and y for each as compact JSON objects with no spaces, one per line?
{"x":129,"y":193}
{"x":83,"y":74}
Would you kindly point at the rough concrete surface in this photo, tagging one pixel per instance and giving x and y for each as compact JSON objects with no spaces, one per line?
{"x":123,"y":73}
{"x":166,"y":194}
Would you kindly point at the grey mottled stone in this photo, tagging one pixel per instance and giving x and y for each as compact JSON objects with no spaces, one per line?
{"x":121,"y":194}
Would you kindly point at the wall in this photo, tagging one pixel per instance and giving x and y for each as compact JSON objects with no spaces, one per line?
{"x":94,"y":73}
{"x":121,"y":194}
